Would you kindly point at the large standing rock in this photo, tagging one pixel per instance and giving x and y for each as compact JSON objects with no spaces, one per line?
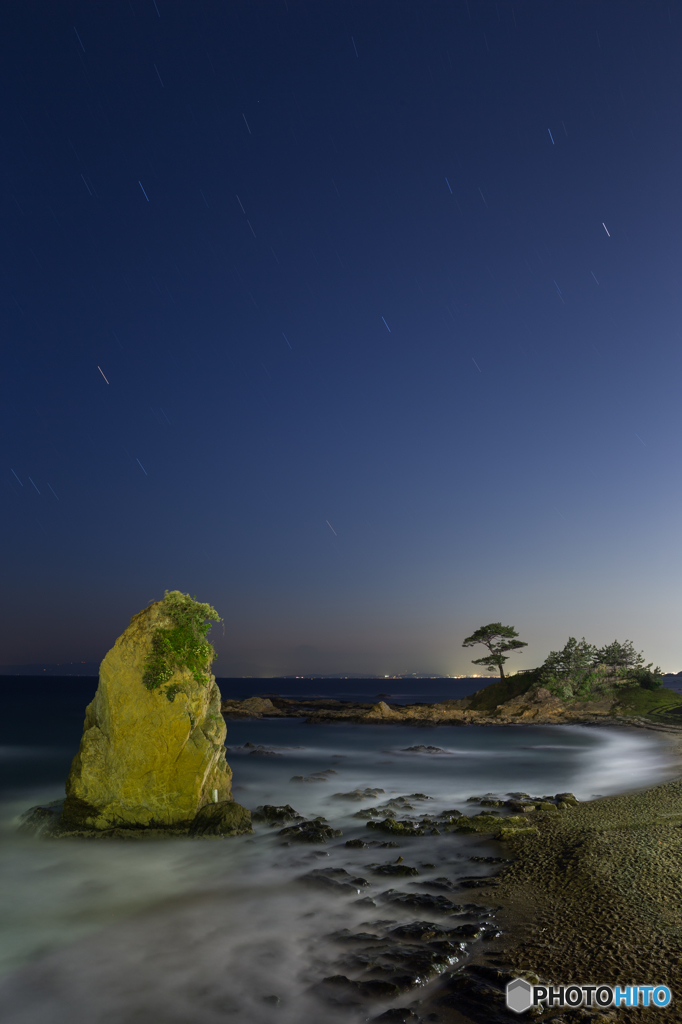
{"x":148,"y":757}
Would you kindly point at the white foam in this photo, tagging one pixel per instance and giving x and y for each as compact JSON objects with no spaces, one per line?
{"x":191,"y":932}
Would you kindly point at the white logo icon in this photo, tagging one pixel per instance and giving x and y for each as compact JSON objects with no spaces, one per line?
{"x":519,"y":995}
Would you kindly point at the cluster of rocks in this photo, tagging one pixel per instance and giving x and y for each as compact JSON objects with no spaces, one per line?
{"x":504,"y":819}
{"x":359,"y":794}
{"x":276,"y":814}
{"x":396,"y":805}
{"x":316,"y":830}
{"x":434,"y":960}
{"x":498,"y":819}
{"x":388,"y":958}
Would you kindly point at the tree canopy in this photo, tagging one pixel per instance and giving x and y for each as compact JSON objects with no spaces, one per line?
{"x":498,"y":639}
{"x":582,"y":670}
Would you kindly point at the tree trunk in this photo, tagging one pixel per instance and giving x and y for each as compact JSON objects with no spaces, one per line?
{"x":501,"y":671}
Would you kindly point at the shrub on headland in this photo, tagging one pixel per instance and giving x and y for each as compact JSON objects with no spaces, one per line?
{"x":583,"y":671}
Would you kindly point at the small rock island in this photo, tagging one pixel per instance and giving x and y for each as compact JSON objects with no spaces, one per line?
{"x":151,"y":761}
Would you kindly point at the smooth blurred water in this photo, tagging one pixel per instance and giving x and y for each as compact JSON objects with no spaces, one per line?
{"x":184,"y":931}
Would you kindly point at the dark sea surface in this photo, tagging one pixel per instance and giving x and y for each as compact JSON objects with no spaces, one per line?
{"x":200,"y":931}
{"x":47,"y":712}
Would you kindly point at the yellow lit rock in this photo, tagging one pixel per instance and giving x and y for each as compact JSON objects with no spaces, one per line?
{"x":145,"y":759}
{"x":381,"y":710}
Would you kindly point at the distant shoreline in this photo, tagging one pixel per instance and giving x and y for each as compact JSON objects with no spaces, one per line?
{"x":521,"y":711}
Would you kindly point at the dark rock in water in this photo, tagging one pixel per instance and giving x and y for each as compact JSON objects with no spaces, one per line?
{"x":315,"y":831}
{"x":347,"y":936}
{"x":276,"y":815}
{"x":334,"y":880}
{"x":450,"y":816}
{"x":366,"y":901}
{"x":467,"y":931}
{"x":359,"y":794}
{"x":421,"y":900}
{"x":477,"y":990}
{"x":274,"y":1000}
{"x":479,"y":910}
{"x":400,"y":828}
{"x":42,"y":820}
{"x":420,"y":748}
{"x":422,"y":931}
{"x":519,"y":796}
{"x":491,"y":860}
{"x":519,"y":807}
{"x":441,"y":883}
{"x":337,"y":873}
{"x":421,"y":962}
{"x":395,"y":805}
{"x":385,"y":846}
{"x":392,"y":869}
{"x":225,"y":818}
{"x":398,"y":1015}
{"x":476,"y":883}
{"x":364,"y":989}
{"x":357,"y":844}
{"x":314,"y":776}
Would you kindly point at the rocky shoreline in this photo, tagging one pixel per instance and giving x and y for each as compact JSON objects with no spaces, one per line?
{"x":535,"y":707}
{"x":585,"y":892}
{"x":590,"y":892}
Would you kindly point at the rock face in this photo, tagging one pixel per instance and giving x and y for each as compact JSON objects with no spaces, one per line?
{"x":224,"y":819}
{"x":148,"y":757}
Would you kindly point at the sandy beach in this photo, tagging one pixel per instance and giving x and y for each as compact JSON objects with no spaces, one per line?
{"x":594,"y":896}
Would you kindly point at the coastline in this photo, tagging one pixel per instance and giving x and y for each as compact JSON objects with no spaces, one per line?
{"x":526,"y":709}
{"x":540,"y":901}
{"x":592,"y":894}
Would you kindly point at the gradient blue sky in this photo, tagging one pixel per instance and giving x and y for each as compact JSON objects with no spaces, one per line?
{"x":387,"y":299}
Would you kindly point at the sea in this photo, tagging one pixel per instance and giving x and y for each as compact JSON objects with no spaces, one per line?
{"x":203,"y":932}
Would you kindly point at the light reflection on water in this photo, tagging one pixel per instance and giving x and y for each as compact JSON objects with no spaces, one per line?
{"x":197,"y":931}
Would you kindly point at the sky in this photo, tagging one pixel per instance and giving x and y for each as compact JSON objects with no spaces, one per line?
{"x":359,"y":320}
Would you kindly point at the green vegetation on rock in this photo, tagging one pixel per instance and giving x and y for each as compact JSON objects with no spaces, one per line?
{"x":634,"y":700}
{"x":577,"y":673}
{"x":145,"y":762}
{"x":182,"y":645}
{"x":505,"y":689}
{"x":582,"y":671}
